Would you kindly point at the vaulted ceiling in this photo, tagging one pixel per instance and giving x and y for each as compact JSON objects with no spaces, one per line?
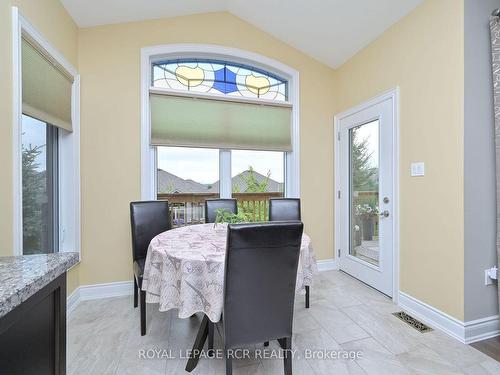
{"x":331,"y":31}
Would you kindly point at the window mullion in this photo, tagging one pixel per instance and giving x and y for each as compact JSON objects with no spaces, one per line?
{"x":52,"y":168}
{"x":154,"y":176}
{"x":286,"y":182}
{"x":225,"y":173}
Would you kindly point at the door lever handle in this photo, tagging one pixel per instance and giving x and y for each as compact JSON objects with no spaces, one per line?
{"x":384,"y":213}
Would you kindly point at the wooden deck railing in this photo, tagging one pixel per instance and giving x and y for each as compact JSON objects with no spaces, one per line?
{"x":372,"y":197}
{"x":189,"y":208}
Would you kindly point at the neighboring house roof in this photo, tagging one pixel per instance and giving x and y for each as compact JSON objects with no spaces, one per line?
{"x":239,"y":183}
{"x":170,"y":183}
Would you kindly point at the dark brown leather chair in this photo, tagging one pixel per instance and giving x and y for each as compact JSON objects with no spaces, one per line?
{"x":259,"y":285}
{"x":285,"y":209}
{"x":148,"y":219}
{"x":212,"y":205}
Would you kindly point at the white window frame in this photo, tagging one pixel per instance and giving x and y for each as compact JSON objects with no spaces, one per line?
{"x":69,"y":235}
{"x":176,"y":51}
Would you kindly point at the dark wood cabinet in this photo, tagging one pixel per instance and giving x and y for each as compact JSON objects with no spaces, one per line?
{"x":33,"y":335}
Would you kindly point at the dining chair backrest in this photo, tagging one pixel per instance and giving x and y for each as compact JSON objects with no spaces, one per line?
{"x":284,"y":209}
{"x":259,"y":281}
{"x":147,"y":219}
{"x":212,"y":205}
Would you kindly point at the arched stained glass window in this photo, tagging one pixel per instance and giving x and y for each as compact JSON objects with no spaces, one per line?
{"x":219,"y":77}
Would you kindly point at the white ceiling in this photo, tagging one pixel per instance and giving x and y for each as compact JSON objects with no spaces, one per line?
{"x":331,"y":31}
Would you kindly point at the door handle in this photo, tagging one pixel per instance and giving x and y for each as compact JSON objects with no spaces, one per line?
{"x":384,"y":213}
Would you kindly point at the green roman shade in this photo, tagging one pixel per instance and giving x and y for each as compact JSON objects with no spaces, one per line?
{"x":203,"y":122}
{"x":46,"y":87}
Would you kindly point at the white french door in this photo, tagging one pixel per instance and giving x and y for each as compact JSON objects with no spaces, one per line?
{"x":365,"y":193}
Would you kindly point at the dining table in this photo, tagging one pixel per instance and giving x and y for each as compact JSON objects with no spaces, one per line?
{"x":184,"y":270}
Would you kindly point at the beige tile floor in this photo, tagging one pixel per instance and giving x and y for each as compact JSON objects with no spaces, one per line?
{"x":345,"y":315}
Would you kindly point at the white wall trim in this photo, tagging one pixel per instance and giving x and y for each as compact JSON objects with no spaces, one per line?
{"x":72,"y":301}
{"x":394,"y":96}
{"x":148,"y":155}
{"x":327,"y":264}
{"x":482,"y":329}
{"x":155,"y":53}
{"x":432,"y":316}
{"x":465,"y":332}
{"x":69,"y":144}
{"x":99,"y":291}
{"x":16,"y":133}
{"x":106,"y":290}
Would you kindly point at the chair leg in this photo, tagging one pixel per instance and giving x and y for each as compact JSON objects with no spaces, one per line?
{"x":229,"y":365}
{"x":307,"y":296}
{"x":198,"y":345}
{"x":287,"y":348}
{"x":143,"y":312}
{"x":136,"y":292}
{"x":282,"y":343}
{"x":211,"y":327}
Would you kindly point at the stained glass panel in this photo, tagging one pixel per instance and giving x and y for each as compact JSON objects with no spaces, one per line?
{"x":219,"y":77}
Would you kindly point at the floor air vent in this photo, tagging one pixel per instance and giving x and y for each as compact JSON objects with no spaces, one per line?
{"x":410,"y":320}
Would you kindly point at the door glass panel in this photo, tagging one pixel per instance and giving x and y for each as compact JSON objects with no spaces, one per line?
{"x":364,"y":192}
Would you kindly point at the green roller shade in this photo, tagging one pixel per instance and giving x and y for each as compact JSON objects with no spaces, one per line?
{"x":46,"y":88}
{"x":198,"y":122}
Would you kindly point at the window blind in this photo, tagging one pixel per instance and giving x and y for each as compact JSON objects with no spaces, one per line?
{"x":46,"y":87}
{"x":201,"y":122}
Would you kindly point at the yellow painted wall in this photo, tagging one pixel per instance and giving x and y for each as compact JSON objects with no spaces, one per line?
{"x":423,"y":54}
{"x":52,"y":20}
{"x":109,"y":62}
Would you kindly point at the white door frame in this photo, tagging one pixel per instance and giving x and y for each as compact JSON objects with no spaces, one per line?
{"x":394,"y":96}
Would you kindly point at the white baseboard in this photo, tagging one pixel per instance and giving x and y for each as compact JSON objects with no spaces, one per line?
{"x":98,"y":291}
{"x":466,"y":332}
{"x":72,"y":301}
{"x":482,"y":329}
{"x":432,"y":316}
{"x":327,"y":264}
{"x":116,"y":289}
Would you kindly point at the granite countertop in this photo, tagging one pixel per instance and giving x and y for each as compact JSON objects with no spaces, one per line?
{"x":23,"y":276}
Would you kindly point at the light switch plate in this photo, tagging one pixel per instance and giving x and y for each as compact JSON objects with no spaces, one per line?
{"x":417,"y":169}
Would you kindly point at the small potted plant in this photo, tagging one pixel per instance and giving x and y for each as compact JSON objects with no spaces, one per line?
{"x":223,"y":216}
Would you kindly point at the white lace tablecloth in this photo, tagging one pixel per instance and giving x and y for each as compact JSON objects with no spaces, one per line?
{"x":184,"y":269}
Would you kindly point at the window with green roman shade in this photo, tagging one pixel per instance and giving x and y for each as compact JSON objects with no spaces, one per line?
{"x":214,"y":123}
{"x":46,"y":87}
